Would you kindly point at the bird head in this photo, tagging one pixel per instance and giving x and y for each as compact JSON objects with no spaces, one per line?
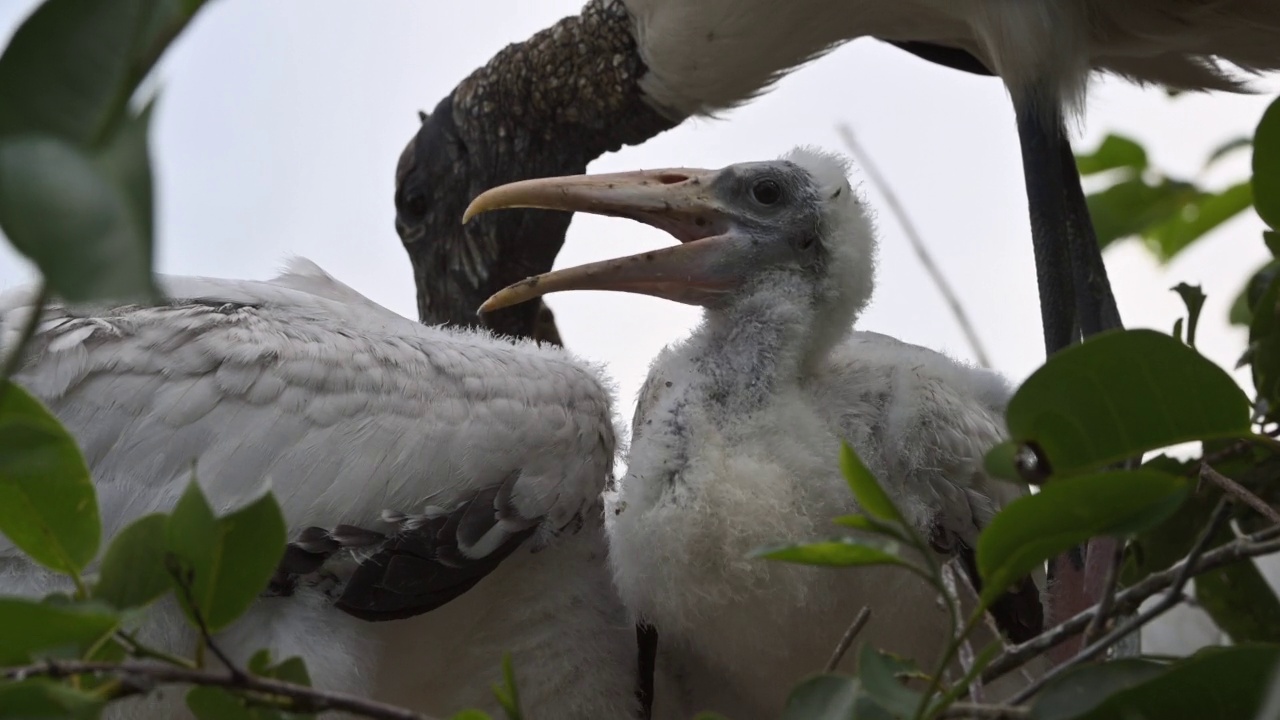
{"x":791,"y":228}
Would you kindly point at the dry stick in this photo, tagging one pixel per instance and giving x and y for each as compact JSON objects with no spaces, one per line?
{"x":1239,"y":492}
{"x":1111,"y":584}
{"x":308,"y":699}
{"x":1263,"y":542}
{"x":917,"y":244}
{"x":985,"y":712}
{"x":965,"y":651}
{"x":846,"y":640}
{"x":1171,"y":598}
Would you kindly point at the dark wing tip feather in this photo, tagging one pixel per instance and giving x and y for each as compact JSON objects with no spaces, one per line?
{"x":1018,"y":612}
{"x":417,"y":571}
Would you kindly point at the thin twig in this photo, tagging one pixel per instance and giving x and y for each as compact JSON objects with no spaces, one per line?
{"x":184,"y":587}
{"x":1239,"y":492}
{"x":1110,"y":584}
{"x":965,"y":651}
{"x":846,"y":640}
{"x":917,"y":244}
{"x":305,"y":699}
{"x":1263,"y":542}
{"x":1171,"y":598}
{"x":961,"y":710}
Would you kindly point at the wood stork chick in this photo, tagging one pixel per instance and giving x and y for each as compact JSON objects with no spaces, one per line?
{"x":481,"y":460}
{"x":738,"y":427}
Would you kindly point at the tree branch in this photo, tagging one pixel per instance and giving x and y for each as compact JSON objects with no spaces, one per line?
{"x":974,"y":711}
{"x":303,"y":698}
{"x":1239,"y":492}
{"x":1110,"y":585}
{"x":846,"y":640}
{"x":1261,"y":543}
{"x":913,"y":237}
{"x":1170,"y":600}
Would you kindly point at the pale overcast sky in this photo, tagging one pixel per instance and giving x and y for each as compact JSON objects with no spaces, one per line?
{"x":279,"y":125}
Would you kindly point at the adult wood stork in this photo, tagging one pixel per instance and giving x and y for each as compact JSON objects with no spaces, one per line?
{"x":738,"y":427}
{"x":625,"y":70}
{"x":473,"y":465}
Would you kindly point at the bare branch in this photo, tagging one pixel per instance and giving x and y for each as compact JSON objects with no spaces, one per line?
{"x":304,"y":699}
{"x":974,"y":711}
{"x":1239,"y":492}
{"x":846,"y":640}
{"x":182,"y":580}
{"x":1110,"y":585}
{"x":965,"y":649}
{"x":1170,"y":600}
{"x":917,"y":244}
{"x":1260,"y":543}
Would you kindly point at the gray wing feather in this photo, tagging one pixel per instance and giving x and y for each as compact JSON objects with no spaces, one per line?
{"x":345,"y":408}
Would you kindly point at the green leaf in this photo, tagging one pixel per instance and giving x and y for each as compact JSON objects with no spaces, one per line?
{"x":870,"y":496}
{"x":1240,"y":601}
{"x":253,"y":540}
{"x":1085,"y":688}
{"x":44,"y":698}
{"x":228,"y":562}
{"x":72,"y":66}
{"x":1199,"y":214}
{"x":1266,"y":166}
{"x":846,"y":552}
{"x":191,"y":551}
{"x":32,"y":630}
{"x":508,"y":693}
{"x":1242,"y":308}
{"x":1068,"y":511}
{"x":471,"y":715}
{"x":133,"y":572}
{"x":877,"y":674}
{"x":1193,"y":297}
{"x":1113,"y":152}
{"x":1213,"y":683}
{"x":214,"y":703}
{"x":823,"y":697}
{"x":871,"y":525}
{"x":1271,"y":239}
{"x":125,"y":160}
{"x":1132,"y":206}
{"x":292,"y":670}
{"x":48,"y":507}
{"x":1264,"y":343}
{"x":60,"y":209}
{"x":1122,"y":393}
{"x":1226,"y":149}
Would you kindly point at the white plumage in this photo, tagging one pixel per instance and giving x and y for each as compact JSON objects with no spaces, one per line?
{"x":709,"y":55}
{"x":349,"y":410}
{"x":738,"y":429}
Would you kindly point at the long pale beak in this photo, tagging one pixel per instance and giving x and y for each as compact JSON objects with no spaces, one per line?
{"x":679,"y":201}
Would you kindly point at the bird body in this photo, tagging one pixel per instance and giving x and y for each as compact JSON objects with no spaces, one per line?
{"x":710,"y":480}
{"x":473,"y":446}
{"x":707,"y":56}
{"x":738,"y":430}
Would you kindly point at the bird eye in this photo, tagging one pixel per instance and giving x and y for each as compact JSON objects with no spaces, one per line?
{"x":766,"y":192}
{"x":416,"y":205}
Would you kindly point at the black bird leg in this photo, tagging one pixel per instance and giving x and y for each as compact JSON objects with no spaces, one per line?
{"x":1075,"y":295}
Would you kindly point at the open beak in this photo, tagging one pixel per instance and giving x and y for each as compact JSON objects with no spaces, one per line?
{"x":679,"y":201}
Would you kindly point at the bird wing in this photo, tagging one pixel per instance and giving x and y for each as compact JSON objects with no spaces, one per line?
{"x":462,"y":445}
{"x":923,"y":423}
